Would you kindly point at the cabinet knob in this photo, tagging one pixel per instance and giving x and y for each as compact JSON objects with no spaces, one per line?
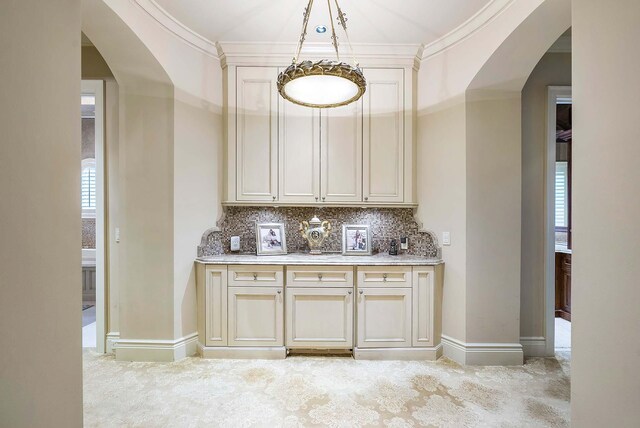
{"x":361,"y":291}
{"x":255,"y":276}
{"x":316,"y":199}
{"x":320,"y":276}
{"x":349,"y":292}
{"x":384,"y":277}
{"x":366,"y":198}
{"x":279,"y":291}
{"x":323,"y":198}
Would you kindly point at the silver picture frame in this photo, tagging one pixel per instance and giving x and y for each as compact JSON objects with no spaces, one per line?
{"x":356,"y":240}
{"x":270,"y":239}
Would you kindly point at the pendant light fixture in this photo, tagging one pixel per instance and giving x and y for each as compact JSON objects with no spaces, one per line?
{"x":325,"y":83}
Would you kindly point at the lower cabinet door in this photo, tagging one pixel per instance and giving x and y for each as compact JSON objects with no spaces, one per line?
{"x":384,"y":317}
{"x":256,"y":316}
{"x":320,"y":318}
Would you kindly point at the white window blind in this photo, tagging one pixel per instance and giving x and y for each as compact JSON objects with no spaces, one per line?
{"x":562,"y":181}
{"x":88,"y":186}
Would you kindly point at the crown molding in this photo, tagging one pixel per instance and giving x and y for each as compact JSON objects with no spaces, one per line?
{"x":484,"y":16}
{"x":367,"y":55}
{"x":562,"y":45}
{"x":177,"y":28}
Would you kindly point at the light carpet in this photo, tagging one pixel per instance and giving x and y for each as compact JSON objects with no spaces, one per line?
{"x":324,"y":391}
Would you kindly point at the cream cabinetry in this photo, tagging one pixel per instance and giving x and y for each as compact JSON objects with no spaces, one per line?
{"x":299,"y":153}
{"x":256,"y":134}
{"x":319,"y":318}
{"x":284,"y":154}
{"x":384,"y":317}
{"x":261,"y":311}
{"x":341,"y":149}
{"x":384,"y":136}
{"x":255,"y":316}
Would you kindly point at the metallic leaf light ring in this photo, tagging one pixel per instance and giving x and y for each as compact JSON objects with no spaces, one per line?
{"x":306,"y":69}
{"x":324,"y":83}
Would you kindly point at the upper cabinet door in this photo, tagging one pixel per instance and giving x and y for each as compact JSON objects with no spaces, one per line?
{"x":256,"y":134}
{"x":342,"y":154}
{"x":383,"y":131}
{"x":299,"y":153}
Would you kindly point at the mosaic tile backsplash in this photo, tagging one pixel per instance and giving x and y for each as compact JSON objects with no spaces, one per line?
{"x":386,"y":224}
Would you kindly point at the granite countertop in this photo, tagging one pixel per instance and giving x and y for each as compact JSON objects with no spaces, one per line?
{"x":323,"y":259}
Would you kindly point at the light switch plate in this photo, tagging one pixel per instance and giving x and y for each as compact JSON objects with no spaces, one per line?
{"x":446,"y":238}
{"x":235,"y":243}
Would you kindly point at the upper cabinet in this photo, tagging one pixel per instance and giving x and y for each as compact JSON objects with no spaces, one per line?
{"x":256,"y":139}
{"x":383,"y":133}
{"x":279,"y":153}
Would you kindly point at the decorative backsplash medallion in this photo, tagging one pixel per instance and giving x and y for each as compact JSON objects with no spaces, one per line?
{"x":386,"y":224}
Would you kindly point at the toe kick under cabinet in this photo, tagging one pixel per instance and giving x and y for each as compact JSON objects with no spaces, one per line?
{"x":265,"y":311}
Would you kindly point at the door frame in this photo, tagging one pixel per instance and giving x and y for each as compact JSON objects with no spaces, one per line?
{"x":96,"y":88}
{"x":553,"y":95}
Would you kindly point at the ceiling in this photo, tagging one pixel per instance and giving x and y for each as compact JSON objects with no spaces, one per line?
{"x":369,"y":21}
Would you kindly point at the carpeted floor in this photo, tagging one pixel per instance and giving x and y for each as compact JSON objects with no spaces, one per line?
{"x":320,"y":391}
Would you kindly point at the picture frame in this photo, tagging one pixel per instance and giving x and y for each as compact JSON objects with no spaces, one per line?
{"x":356,"y":240}
{"x":270,"y":239}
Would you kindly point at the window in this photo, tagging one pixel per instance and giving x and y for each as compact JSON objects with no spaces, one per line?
{"x":88,"y":188}
{"x":562,"y":204}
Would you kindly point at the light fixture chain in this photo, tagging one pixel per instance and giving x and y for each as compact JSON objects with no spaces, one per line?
{"x":333,"y":31}
{"x":303,"y":34}
{"x":343,"y":23}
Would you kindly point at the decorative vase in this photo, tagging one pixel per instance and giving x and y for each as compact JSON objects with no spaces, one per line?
{"x":314,"y":232}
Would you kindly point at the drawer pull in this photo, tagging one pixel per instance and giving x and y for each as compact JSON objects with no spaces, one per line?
{"x":361,"y":291}
{"x":255,"y":276}
{"x":349,"y":292}
{"x":279,"y":291}
{"x":384,"y":277}
{"x":320,"y":276}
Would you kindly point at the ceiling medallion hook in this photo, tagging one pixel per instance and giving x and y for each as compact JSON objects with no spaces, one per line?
{"x":324,"y":83}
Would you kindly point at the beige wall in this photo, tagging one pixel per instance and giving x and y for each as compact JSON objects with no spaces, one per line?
{"x":470,"y":170}
{"x":605,"y":385}
{"x":493,"y":216}
{"x":441,"y":174}
{"x":554,"y":69}
{"x":169,"y":167}
{"x":41,"y":363}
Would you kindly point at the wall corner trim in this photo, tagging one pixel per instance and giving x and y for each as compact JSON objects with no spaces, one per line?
{"x":483,"y":354}
{"x":157,"y":350}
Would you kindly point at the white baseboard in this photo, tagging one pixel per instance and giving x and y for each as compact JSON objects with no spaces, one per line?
{"x":409,"y":354}
{"x":263,"y":353}
{"x":483,"y":354}
{"x":534,"y":346}
{"x":112,"y":340}
{"x":156,"y":350}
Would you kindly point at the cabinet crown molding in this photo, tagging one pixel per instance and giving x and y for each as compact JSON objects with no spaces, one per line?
{"x":280,"y":54}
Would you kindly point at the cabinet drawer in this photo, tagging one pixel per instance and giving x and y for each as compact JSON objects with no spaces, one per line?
{"x":319,"y":276}
{"x":255,"y":276}
{"x":384,"y":276}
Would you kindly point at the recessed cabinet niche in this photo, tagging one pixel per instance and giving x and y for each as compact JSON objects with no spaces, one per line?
{"x":282,"y":153}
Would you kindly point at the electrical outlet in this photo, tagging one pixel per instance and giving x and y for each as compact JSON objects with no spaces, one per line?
{"x":235,"y":243}
{"x":404,"y":243}
{"x":446,"y":238}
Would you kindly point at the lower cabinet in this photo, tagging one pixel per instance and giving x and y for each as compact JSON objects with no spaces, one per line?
{"x":255,"y":316}
{"x":384,"y":317}
{"x":319,"y":318}
{"x":260,"y":311}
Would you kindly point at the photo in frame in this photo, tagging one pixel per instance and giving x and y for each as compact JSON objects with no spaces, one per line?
{"x":270,"y":239}
{"x":356,"y":240}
